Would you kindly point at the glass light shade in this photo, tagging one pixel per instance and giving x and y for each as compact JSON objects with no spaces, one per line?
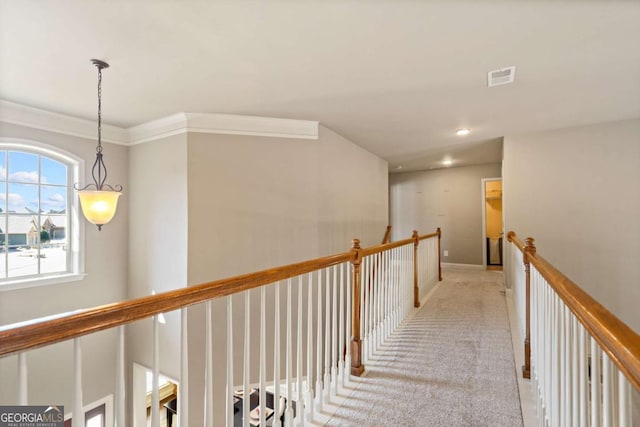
{"x":99,"y":207}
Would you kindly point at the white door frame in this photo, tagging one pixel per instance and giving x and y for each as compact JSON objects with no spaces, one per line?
{"x":483,"y":182}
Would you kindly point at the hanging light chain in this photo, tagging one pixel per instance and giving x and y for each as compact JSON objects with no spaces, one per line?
{"x":99,"y":170}
{"x":99,"y":147}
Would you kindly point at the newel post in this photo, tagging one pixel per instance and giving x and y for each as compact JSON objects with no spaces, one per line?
{"x":529,"y":250}
{"x":416,"y":288}
{"x":439,"y":260}
{"x":357,"y":368}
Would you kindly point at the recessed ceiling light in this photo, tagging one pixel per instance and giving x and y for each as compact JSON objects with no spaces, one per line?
{"x":398,"y":167}
{"x":463,"y":132}
{"x":447,"y":162}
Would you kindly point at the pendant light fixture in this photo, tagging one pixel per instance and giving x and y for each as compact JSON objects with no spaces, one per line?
{"x":99,"y":200}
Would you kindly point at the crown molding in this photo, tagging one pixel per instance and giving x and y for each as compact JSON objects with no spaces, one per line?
{"x":36,"y":118}
{"x":228,"y":124}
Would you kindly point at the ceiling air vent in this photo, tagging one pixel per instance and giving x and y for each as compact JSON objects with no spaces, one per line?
{"x":501,"y":76}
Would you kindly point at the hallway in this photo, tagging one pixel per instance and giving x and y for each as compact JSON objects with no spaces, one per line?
{"x":452,"y":364}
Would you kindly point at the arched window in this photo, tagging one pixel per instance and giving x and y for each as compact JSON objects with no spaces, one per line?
{"x":39,"y":223}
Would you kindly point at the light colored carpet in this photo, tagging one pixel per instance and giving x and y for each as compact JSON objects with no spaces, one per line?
{"x":451,"y":365}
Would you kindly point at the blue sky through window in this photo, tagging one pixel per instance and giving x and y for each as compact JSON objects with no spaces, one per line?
{"x":23,"y":173}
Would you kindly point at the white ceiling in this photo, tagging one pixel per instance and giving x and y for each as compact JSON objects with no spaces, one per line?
{"x":396,"y":77}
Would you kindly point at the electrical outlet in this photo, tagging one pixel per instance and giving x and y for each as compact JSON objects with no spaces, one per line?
{"x":446,"y":252}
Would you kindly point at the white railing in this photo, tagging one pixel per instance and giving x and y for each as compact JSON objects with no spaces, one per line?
{"x":428,"y":265}
{"x":583,"y":360}
{"x":387,"y":295}
{"x":312,"y":325}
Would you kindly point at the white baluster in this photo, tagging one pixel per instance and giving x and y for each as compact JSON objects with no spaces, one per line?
{"x":388,"y":299}
{"x":584,"y":376}
{"x":392,"y":292}
{"x":389,"y":292}
{"x":575,"y":384}
{"x":557,"y":357}
{"x":327,"y":338}
{"x":384,"y":284}
{"x":23,"y":382}
{"x":229,"y":390}
{"x":596,"y":413}
{"x":407,"y":286}
{"x":276,"y":357}
{"x":375,"y":272}
{"x":263,"y":355}
{"x":289,"y":412}
{"x":383,"y":279}
{"x":120,"y":379}
{"x":393,"y":318}
{"x":183,"y":391}
{"x":551,"y":326}
{"x":155,"y":389}
{"x":78,"y":411}
{"x":208,"y":367}
{"x":624,"y":401}
{"x":309,"y":407}
{"x":381,"y":276}
{"x":341,"y":342}
{"x":319,"y":346}
{"x":365,"y":308}
{"x":299,"y":391}
{"x":608,"y":405}
{"x":566,"y":370}
{"x":334,"y":332}
{"x":246,"y":390}
{"x":390,"y":315}
{"x":347,"y":330}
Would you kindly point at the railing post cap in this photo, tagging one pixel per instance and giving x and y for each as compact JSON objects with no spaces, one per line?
{"x":510,"y":235}
{"x":355,"y":244}
{"x":529,"y":246}
{"x":415,"y":235}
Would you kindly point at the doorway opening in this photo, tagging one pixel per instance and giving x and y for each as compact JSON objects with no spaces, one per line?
{"x":492,"y":227}
{"x":167,"y":392}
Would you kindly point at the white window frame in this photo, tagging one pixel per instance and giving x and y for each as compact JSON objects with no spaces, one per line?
{"x":75,"y":234}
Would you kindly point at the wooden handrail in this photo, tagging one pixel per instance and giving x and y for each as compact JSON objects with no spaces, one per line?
{"x":615,"y":337}
{"x":511,"y":237}
{"x":387,"y":246}
{"x":111,"y":315}
{"x":428,"y":236}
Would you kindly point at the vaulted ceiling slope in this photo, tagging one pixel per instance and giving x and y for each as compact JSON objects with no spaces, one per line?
{"x":396,"y":77}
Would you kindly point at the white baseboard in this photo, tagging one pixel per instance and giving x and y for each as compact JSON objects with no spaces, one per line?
{"x":462,"y":266}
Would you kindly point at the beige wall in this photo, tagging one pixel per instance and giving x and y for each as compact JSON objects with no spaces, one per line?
{"x":257,"y":202}
{"x":577,"y":192}
{"x":105,"y":282}
{"x":448,"y":198}
{"x":157,"y":242}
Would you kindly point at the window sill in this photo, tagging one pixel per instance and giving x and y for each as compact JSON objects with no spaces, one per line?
{"x":12,"y":285}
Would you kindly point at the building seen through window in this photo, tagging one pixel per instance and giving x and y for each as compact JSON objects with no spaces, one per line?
{"x":34,"y":214}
